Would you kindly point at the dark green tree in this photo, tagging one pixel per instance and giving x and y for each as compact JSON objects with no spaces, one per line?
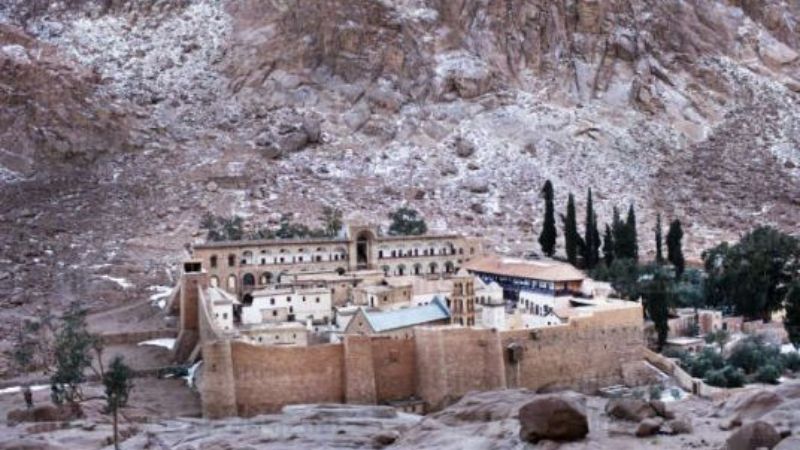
{"x":332,"y":220}
{"x":591,"y":240}
{"x":572,"y":240}
{"x":657,"y":296}
{"x":118,"y":384}
{"x":752,"y":278}
{"x":221,"y":228}
{"x":72,"y":350}
{"x":659,"y":252}
{"x":675,"y":247}
{"x":608,"y":246}
{"x":792,"y":319}
{"x":547,"y":239}
{"x":621,"y":237}
{"x":632,"y":236}
{"x":406,"y":222}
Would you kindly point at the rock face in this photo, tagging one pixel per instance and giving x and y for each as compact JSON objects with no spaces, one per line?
{"x":753,"y":436}
{"x":45,"y":413}
{"x":52,"y":111}
{"x":127,"y":109}
{"x":556,"y":417}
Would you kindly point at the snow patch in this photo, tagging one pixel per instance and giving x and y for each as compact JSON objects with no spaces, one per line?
{"x":161,"y":295}
{"x":167,"y":343}
{"x":191,"y":374}
{"x":122,"y":282}
{"x":18,"y":389}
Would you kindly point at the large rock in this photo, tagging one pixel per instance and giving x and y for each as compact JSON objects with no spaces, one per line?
{"x":748,"y":405}
{"x":632,"y":409}
{"x":649,"y":426}
{"x":556,"y":417}
{"x":677,"y":426}
{"x":790,"y":443}
{"x":752,"y":436}
{"x":46,"y":413}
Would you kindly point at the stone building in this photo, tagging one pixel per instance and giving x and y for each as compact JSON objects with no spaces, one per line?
{"x":241,"y":267}
{"x":289,"y":303}
{"x":546,"y":278}
{"x":400,"y":322}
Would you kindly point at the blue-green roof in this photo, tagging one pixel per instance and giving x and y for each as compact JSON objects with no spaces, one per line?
{"x":408,"y":317}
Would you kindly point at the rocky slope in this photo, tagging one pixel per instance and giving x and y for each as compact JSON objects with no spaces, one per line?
{"x":486,"y":420}
{"x":123,"y":122}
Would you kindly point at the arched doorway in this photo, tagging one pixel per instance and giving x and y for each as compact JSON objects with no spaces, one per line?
{"x":363,"y":248}
{"x":248,"y":280}
{"x":266,"y":278}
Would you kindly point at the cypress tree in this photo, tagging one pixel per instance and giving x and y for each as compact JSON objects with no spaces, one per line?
{"x":674,"y":250}
{"x":547,"y":239}
{"x":632,"y":238}
{"x":608,"y":246}
{"x":619,"y":234}
{"x":571,"y":236}
{"x":591,"y":254}
{"x":659,"y":253}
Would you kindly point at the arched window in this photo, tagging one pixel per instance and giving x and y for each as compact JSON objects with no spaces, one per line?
{"x":248,"y":280}
{"x":231,"y":260}
{"x":417,"y":269}
{"x":380,"y":254}
{"x":449,"y":266}
{"x":231,"y":282}
{"x":213,"y":261}
{"x":266,"y":278}
{"x":247,"y":258}
{"x":214,"y":281}
{"x":433,"y":266}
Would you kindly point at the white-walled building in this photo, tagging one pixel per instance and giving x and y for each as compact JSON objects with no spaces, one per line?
{"x":287,"y":333}
{"x":222,"y":305}
{"x":292,"y":303}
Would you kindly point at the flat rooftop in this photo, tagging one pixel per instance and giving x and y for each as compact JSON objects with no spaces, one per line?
{"x":544,"y":270}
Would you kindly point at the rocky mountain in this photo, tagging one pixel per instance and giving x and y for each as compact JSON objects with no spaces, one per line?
{"x":122,"y":122}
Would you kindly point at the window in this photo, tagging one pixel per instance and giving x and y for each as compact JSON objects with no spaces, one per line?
{"x":231,"y":260}
{"x":213,"y":260}
{"x":304,"y":299}
{"x":274,"y":313}
{"x":272,"y":301}
{"x":317,"y":299}
{"x":288,"y":299}
{"x":224,"y":316}
{"x":380,"y":254}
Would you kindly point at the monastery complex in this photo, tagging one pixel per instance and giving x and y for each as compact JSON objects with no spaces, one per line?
{"x":410,"y":321}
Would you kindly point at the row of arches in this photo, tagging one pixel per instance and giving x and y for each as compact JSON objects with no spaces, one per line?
{"x":403,"y":252}
{"x":251,"y":280}
{"x":419,"y":268}
{"x":283,"y":256}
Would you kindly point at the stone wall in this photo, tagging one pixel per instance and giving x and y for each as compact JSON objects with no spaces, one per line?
{"x":454,"y":361}
{"x":438,"y":365}
{"x":584,"y":354}
{"x":267,"y":378}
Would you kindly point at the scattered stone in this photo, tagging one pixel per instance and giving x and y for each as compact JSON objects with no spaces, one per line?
{"x":212,"y":186}
{"x":46,"y":413}
{"x":478,"y":208}
{"x":649,"y":427}
{"x":752,"y":436}
{"x":661,"y":409}
{"x":477,"y":185}
{"x":677,"y":426}
{"x":464,"y":148}
{"x":632,"y":409}
{"x":556,"y":417}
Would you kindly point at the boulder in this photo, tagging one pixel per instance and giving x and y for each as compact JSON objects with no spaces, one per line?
{"x":748,"y":405}
{"x":555,"y":417}
{"x":790,"y":443}
{"x":463,"y":147}
{"x":46,"y":413}
{"x":313,"y":129}
{"x":632,"y":409}
{"x":677,"y":426}
{"x":477,"y":185}
{"x":752,"y":436}
{"x":649,"y":426}
{"x":661,"y":409}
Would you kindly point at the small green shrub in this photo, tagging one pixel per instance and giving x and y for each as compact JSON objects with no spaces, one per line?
{"x":791,"y":361}
{"x":768,"y":374}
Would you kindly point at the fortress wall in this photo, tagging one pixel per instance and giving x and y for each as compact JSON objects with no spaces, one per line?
{"x":438,"y":365}
{"x":395,"y":363}
{"x":454,"y":361}
{"x":584,"y":354}
{"x":359,"y":371}
{"x":268,"y":377}
{"x":217,"y":383}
